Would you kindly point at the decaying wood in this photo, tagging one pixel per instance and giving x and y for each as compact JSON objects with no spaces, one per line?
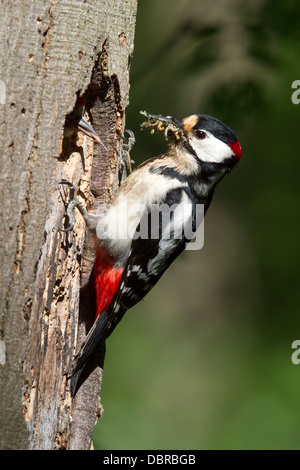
{"x":51,"y":53}
{"x":108,"y":115}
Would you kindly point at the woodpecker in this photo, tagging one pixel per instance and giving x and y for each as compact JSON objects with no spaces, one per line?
{"x":75,"y":121}
{"x":202,"y":150}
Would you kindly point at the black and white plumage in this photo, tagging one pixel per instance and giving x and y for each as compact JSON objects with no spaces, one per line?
{"x":202,"y":151}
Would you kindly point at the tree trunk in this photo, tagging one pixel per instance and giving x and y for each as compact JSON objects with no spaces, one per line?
{"x":52,"y":52}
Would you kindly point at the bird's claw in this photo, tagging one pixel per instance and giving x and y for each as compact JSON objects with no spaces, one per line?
{"x":128,"y":143}
{"x":73,"y":202}
{"x":67,"y":183}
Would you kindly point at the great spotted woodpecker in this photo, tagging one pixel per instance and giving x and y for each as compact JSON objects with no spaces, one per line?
{"x":202,"y":150}
{"x":75,"y":121}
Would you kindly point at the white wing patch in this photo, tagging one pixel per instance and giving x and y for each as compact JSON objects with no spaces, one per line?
{"x":117,"y":227}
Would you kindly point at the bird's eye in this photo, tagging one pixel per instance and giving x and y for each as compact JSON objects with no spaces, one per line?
{"x":200,"y":135}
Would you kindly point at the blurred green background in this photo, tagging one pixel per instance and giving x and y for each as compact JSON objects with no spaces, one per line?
{"x":204,"y":362}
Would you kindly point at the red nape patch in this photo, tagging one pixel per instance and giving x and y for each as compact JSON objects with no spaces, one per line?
{"x":237,"y":149}
{"x":107,"y":280}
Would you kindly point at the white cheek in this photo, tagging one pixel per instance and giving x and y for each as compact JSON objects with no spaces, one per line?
{"x":211,"y":149}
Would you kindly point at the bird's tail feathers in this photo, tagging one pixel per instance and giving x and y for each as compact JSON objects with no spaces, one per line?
{"x":94,"y":343}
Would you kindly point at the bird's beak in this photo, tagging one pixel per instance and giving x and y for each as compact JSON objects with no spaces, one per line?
{"x":86,"y":128}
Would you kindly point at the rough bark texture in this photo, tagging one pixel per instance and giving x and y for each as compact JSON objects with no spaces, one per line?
{"x":51,"y":52}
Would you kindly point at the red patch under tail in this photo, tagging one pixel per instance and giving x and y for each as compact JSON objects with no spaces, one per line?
{"x":107,"y":280}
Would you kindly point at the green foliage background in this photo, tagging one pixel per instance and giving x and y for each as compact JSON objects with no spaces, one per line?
{"x":204,"y":362}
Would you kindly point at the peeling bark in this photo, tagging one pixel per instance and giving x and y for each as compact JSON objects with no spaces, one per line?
{"x":51,"y":52}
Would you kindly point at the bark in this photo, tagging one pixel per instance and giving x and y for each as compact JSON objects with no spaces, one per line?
{"x":51,"y":52}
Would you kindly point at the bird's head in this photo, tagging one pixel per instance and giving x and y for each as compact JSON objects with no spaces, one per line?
{"x":204,"y":143}
{"x":210,"y":140}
